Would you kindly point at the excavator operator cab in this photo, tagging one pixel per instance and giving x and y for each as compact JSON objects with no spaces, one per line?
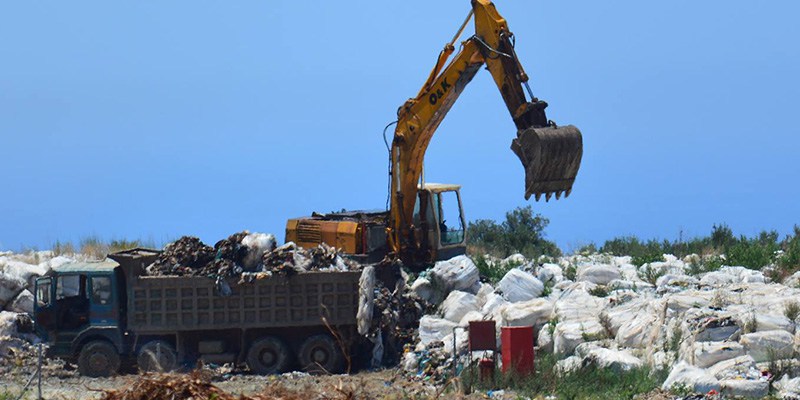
{"x":439,"y":218}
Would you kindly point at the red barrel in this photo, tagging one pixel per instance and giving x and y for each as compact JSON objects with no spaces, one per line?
{"x":517,"y":342}
{"x":486,"y":368}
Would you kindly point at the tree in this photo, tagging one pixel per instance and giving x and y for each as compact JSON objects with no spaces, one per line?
{"x":521,"y":232}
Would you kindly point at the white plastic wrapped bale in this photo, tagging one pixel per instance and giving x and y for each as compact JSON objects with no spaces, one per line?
{"x":492,"y":304}
{"x":792,"y":281}
{"x":707,"y":354}
{"x":738,"y":388}
{"x":680,"y":302}
{"x":23,"y":303}
{"x":738,"y":367}
{"x":545,"y":339}
{"x":550,"y":273}
{"x":616,"y":360}
{"x":629,"y":272}
{"x":569,"y":335}
{"x":661,"y":360}
{"x":518,"y":285}
{"x":423,"y":288}
{"x":569,"y":365}
{"x":461,"y":338}
{"x":711,"y":326}
{"x":718,"y":278}
{"x":366,"y":297}
{"x":745,"y":275}
{"x":599,"y":274}
{"x":257,"y":244}
{"x":432,"y":329}
{"x":787,"y":388}
{"x":8,"y":323}
{"x":763,"y":346}
{"x":771,"y":322}
{"x":640,"y":332}
{"x":457,"y":273}
{"x":672,"y":282}
{"x":457,"y":304}
{"x":534,"y":313}
{"x":691,"y":377}
{"x":577,"y":305}
{"x":470,"y":316}
{"x":10,"y":287}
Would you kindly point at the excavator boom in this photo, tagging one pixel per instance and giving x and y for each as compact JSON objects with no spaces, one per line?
{"x":550,"y":154}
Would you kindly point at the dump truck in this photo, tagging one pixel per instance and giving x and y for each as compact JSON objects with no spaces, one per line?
{"x":109,"y":314}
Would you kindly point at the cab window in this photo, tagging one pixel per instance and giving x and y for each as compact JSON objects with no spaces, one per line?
{"x":101,"y":289}
{"x":451,"y":226}
{"x":43,"y":292}
{"x":69,"y":286}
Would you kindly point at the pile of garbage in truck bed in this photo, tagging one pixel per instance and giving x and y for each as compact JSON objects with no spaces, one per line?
{"x":245,"y":255}
{"x":731,"y":330}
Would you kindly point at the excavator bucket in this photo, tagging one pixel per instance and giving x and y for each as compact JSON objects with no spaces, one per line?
{"x":551,"y":157}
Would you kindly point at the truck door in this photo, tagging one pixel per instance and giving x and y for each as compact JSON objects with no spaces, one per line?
{"x":43,"y":311}
{"x":72,"y":304}
{"x":103,"y":308}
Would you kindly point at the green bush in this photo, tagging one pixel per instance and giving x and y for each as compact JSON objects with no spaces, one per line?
{"x":753,"y":253}
{"x":492,"y":271}
{"x":521,"y":232}
{"x":789,"y":262}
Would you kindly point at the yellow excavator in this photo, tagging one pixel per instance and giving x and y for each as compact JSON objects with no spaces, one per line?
{"x":425,"y":222}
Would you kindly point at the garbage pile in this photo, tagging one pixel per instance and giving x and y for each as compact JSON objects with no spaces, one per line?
{"x":245,"y":255}
{"x":18,"y":273}
{"x":729,"y":330}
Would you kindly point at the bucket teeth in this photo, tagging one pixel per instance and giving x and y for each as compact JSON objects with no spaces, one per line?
{"x":558,"y":195}
{"x":548,"y":196}
{"x":538,"y":196}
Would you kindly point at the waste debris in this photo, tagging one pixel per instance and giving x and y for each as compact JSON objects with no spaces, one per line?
{"x":245,"y":255}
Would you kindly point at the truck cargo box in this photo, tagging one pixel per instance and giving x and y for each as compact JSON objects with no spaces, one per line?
{"x":165,"y":303}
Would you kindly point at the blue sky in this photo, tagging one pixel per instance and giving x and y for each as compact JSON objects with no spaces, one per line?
{"x":158,"y":119}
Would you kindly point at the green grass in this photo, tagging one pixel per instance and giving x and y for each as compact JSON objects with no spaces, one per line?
{"x":588,"y":383}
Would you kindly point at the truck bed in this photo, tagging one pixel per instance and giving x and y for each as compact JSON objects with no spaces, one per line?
{"x":166,"y":304}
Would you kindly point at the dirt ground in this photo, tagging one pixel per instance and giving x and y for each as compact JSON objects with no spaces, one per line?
{"x":387,"y":384}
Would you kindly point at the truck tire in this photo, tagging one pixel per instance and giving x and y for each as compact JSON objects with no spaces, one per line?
{"x":157,"y":356}
{"x":269,"y":355}
{"x":320,"y":354}
{"x":98,"y":359}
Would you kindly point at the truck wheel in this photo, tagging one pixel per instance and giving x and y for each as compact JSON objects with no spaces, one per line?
{"x":98,"y":359}
{"x":269,"y":355}
{"x":157,"y":356}
{"x":321,"y":354}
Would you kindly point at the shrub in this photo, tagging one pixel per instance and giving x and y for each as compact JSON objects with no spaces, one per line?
{"x":492,"y":271}
{"x":753,"y":253}
{"x":521,"y":232}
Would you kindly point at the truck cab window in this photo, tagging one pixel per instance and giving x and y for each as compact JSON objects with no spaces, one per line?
{"x":69,"y":286}
{"x":450,"y":225}
{"x":101,"y":289}
{"x":43,"y":292}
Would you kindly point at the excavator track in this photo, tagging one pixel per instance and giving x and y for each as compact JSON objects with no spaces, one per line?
{"x":551,"y":156}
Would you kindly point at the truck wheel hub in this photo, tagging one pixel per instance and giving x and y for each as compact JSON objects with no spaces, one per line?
{"x":268,"y":358}
{"x":98,"y":361}
{"x":319,"y":355}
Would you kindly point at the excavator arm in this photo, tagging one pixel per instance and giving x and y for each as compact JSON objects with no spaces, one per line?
{"x":551,"y":155}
